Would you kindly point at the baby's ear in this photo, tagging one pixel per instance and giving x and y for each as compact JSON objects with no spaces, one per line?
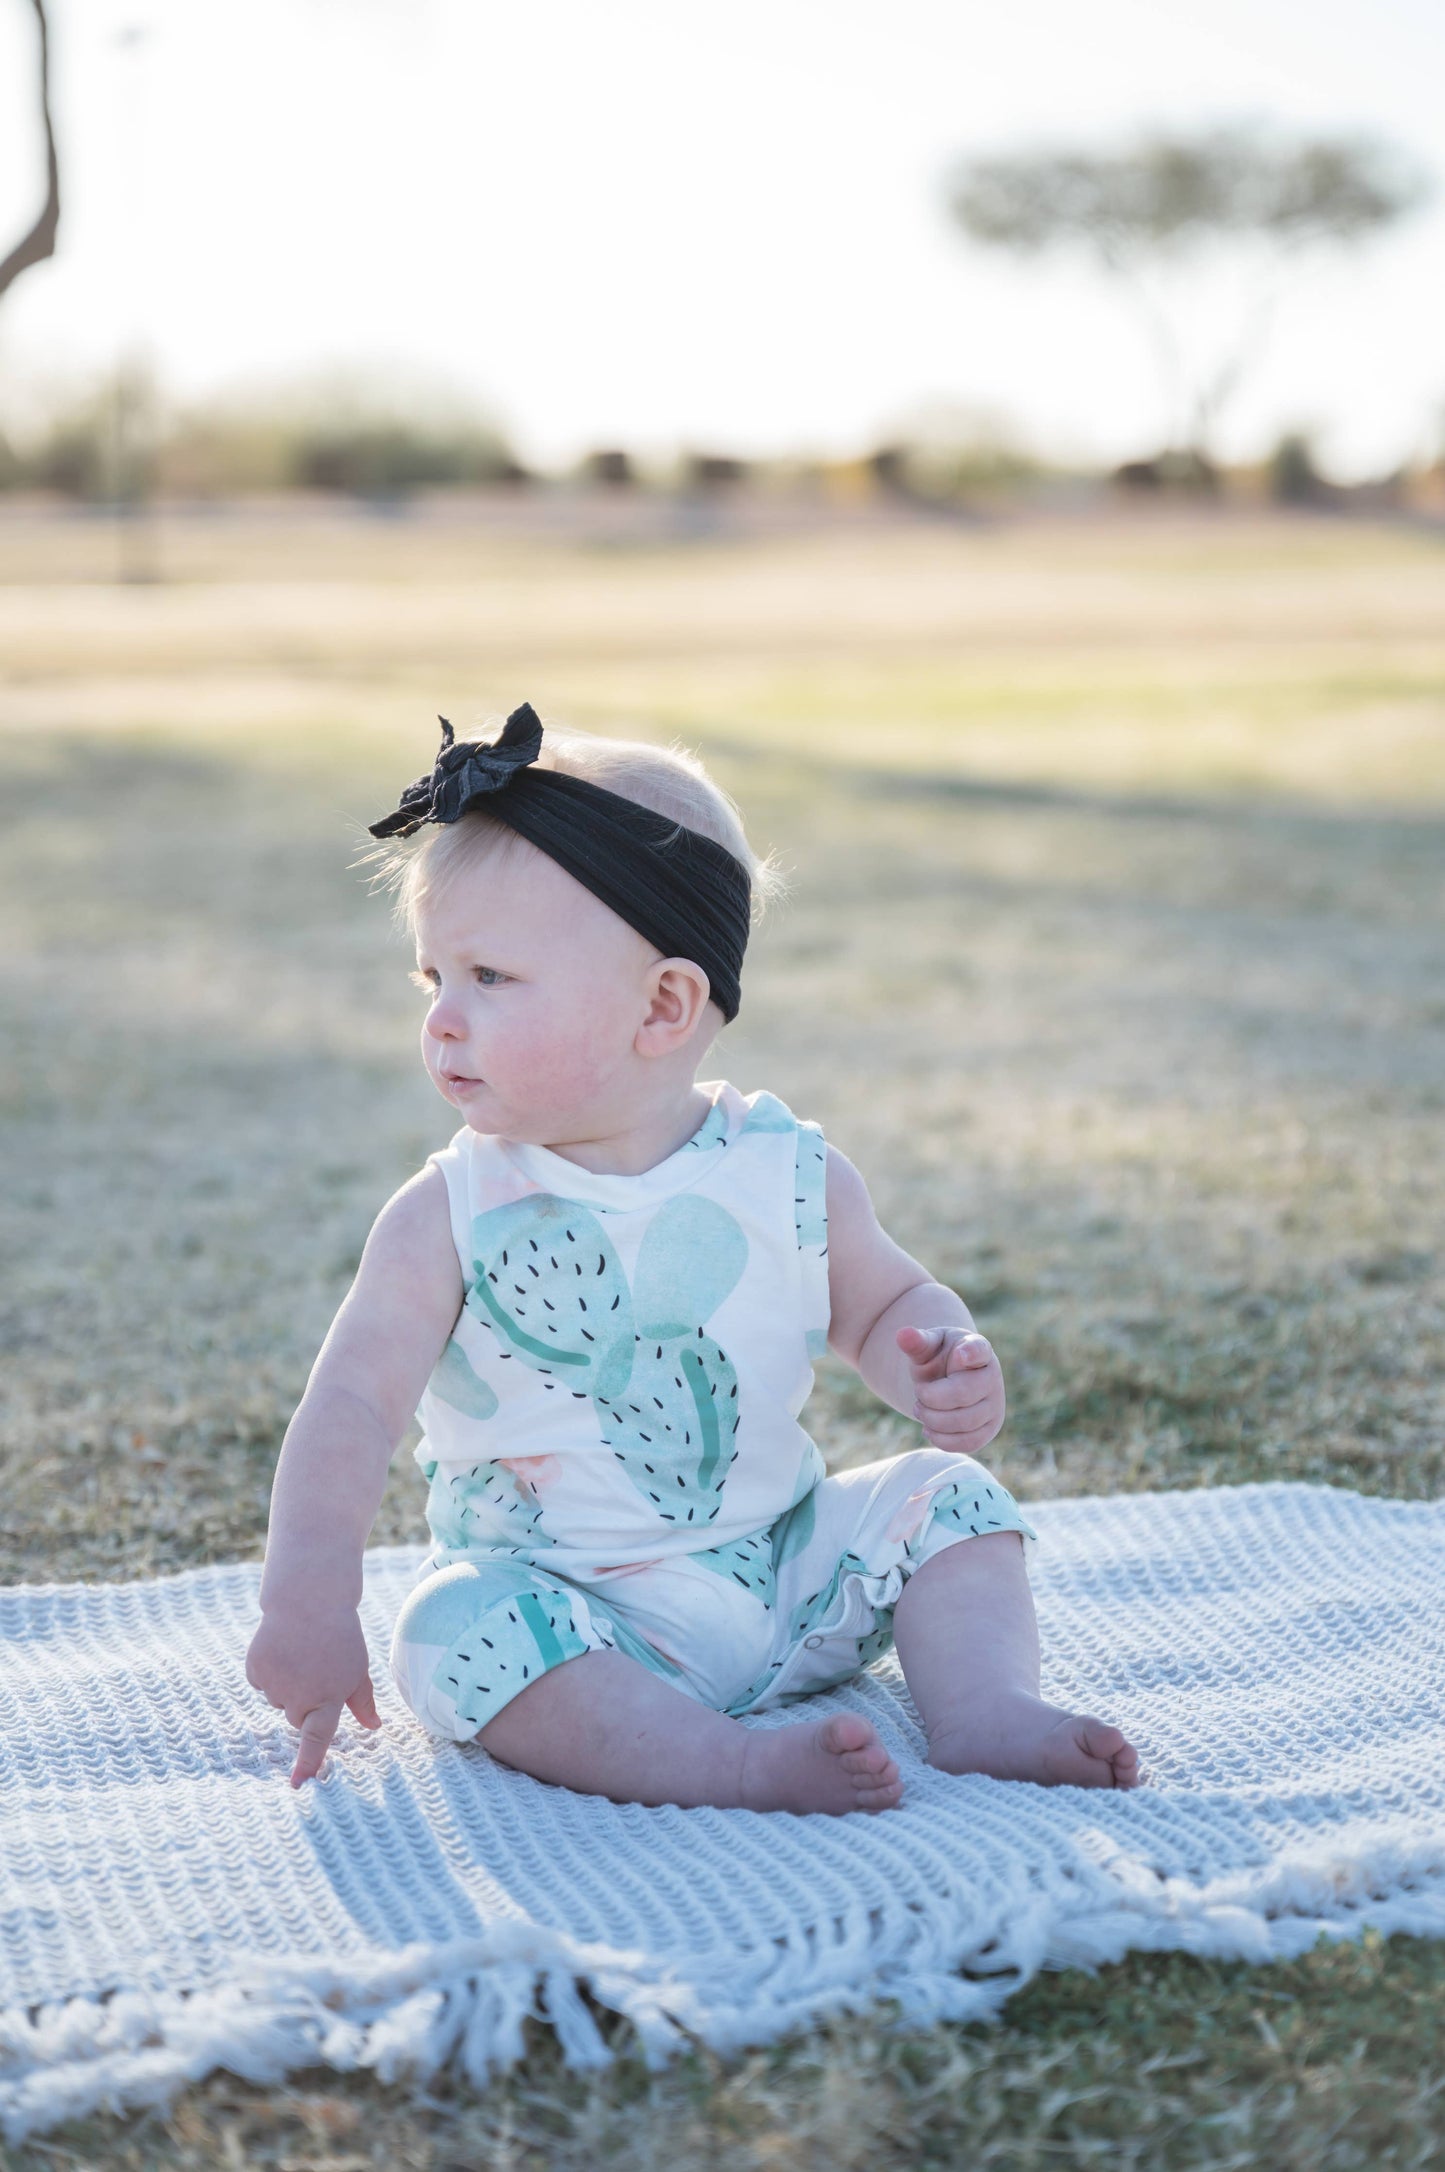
{"x":678,"y":994}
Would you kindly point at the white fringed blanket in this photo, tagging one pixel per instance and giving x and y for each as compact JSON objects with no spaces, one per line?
{"x":168,"y":1904}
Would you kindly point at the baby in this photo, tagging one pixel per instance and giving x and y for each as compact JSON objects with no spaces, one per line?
{"x":602,"y":1301}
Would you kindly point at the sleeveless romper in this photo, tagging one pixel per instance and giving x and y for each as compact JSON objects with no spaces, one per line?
{"x":611,"y":1437}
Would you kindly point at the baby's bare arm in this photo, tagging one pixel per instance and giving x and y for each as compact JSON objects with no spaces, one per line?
{"x":875,"y":1287}
{"x":909,"y":1337}
{"x":391,"y":1329}
{"x":309,"y":1655}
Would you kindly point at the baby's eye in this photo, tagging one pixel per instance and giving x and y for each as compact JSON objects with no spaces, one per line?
{"x":488,"y":976}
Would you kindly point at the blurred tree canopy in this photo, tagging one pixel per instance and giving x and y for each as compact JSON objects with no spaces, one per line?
{"x":39,"y":243}
{"x":1164,"y":201}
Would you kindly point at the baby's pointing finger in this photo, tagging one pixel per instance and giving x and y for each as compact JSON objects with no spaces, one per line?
{"x":317,"y":1729}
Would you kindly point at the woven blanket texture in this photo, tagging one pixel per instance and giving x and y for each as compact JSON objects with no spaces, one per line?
{"x":169,"y":1904}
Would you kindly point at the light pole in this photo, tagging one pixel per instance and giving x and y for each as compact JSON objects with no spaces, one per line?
{"x":132,"y":403}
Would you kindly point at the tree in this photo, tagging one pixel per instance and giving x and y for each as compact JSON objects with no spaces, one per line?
{"x":1165,"y":204}
{"x":39,"y":243}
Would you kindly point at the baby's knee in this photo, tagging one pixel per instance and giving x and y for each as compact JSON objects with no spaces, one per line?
{"x":472,"y":1637}
{"x":926,"y":1464}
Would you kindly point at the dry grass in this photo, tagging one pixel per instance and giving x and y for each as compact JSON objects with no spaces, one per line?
{"x":1151,"y":1069}
{"x":1161,"y":2063}
{"x":1294,"y":655}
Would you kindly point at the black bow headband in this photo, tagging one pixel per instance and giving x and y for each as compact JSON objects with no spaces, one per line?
{"x":687,"y":894}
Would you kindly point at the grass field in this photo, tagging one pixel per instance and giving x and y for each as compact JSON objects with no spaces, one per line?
{"x":1113,"y":957}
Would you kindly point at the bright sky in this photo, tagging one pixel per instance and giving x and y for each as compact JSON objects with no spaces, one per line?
{"x":651,"y":223}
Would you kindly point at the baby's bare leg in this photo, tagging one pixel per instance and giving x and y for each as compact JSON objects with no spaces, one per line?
{"x":602,"y":1724}
{"x":968,"y":1642}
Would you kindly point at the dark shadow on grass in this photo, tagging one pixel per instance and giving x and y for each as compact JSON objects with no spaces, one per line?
{"x":99,"y":772}
{"x":1259,"y":809}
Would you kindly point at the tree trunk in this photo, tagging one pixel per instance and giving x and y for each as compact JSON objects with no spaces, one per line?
{"x":39,"y":243}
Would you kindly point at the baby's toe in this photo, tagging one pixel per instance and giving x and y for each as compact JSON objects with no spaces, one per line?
{"x":1111,"y":1747}
{"x":881,"y":1794}
{"x":845,"y":1733}
{"x":1126,"y":1766}
{"x":872,"y":1762}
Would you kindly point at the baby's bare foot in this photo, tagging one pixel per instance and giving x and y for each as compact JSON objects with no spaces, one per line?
{"x":836,"y":1765}
{"x":1018,"y":1737}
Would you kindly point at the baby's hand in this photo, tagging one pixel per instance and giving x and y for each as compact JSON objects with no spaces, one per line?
{"x":311,"y":1665}
{"x":957,"y":1386}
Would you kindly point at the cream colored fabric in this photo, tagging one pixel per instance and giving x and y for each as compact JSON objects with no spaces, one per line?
{"x":168,"y":1904}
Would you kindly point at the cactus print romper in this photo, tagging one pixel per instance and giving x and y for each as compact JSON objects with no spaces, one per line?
{"x":612,"y":1443}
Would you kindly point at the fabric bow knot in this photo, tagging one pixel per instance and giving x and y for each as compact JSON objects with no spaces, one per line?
{"x":464,"y":772}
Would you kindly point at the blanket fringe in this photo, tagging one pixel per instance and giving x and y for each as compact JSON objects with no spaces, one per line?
{"x":463,"y":2004}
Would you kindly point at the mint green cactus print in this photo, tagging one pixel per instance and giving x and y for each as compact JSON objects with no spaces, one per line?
{"x":446,"y":1512}
{"x":532,"y":1633}
{"x":748,"y":1562}
{"x":810,"y":1193}
{"x":484,"y":1506}
{"x":550,"y":1287}
{"x":453,"y":1381}
{"x":792,"y":1531}
{"x":976,"y":1507}
{"x":812,"y":1603}
{"x":691,"y":1258}
{"x":714,"y":1128}
{"x":674,"y":1430}
{"x":767,"y":1113}
{"x":498,"y":1631}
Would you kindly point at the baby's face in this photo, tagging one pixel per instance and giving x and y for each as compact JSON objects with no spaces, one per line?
{"x":536,"y":990}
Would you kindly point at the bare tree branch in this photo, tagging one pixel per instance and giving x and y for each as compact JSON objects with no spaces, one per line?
{"x":39,"y":243}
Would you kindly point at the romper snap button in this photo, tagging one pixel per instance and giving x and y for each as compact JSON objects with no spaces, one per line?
{"x":812,"y":1643}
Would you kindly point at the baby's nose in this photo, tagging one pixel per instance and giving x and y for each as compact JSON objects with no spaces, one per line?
{"x":443,"y":1021}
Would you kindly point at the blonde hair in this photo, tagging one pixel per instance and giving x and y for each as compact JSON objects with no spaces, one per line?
{"x":670,"y":780}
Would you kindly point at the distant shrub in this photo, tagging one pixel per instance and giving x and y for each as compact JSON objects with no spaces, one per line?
{"x":72,"y":458}
{"x":119,"y":439}
{"x":1186,"y":472}
{"x":609,"y":467}
{"x":713,"y":471}
{"x":391,"y":459}
{"x":1140,"y":475}
{"x":1294,"y":478}
{"x":939,"y":472}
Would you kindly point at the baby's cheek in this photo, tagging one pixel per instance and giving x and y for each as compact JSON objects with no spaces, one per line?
{"x":569,"y":1060}
{"x":429,"y":1052}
